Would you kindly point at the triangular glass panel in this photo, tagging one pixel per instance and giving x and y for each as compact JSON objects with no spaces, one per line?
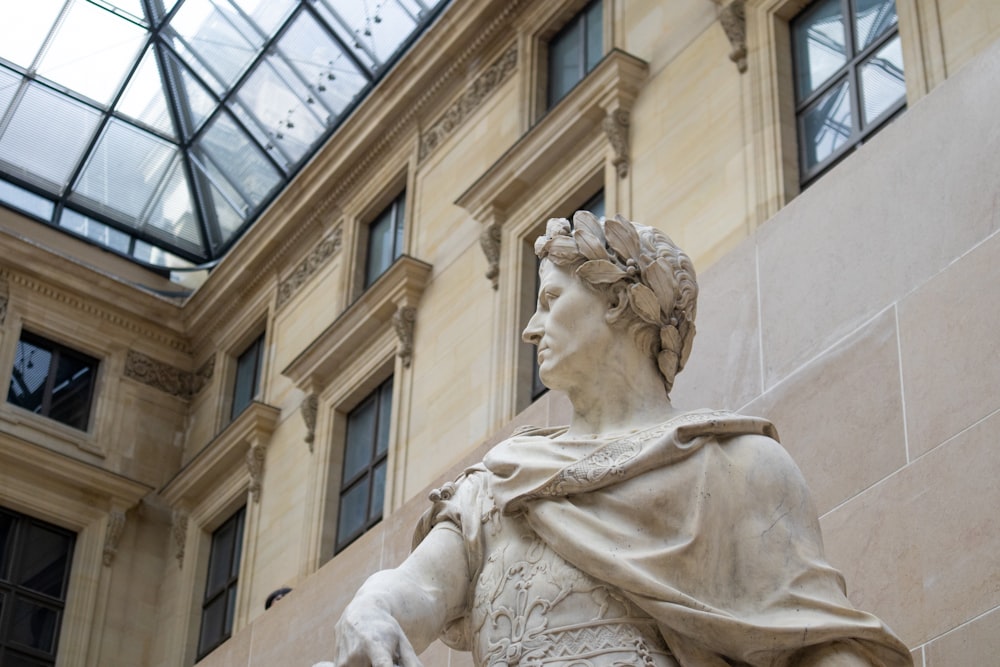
{"x":193,"y":103}
{"x":171,"y":214}
{"x":144,"y":99}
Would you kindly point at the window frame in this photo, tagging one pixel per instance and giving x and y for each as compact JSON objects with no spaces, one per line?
{"x":257,"y":348}
{"x":395,"y":213}
{"x":231,"y":583}
{"x":383,"y":392}
{"x":849,"y":71}
{"x":578,"y":22}
{"x":57,"y":351}
{"x":9,"y":590}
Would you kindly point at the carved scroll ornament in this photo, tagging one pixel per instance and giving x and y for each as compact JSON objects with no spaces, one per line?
{"x":734,"y":21}
{"x":113,"y":536}
{"x":616,"y":126}
{"x":255,"y":466}
{"x":178,"y":531}
{"x":403,"y":321}
{"x":489,"y":240}
{"x":309,"y":409}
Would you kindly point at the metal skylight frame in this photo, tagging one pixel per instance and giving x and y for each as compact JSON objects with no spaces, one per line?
{"x":222,"y":67}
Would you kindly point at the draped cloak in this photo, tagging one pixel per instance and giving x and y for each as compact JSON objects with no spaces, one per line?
{"x":704,"y":522}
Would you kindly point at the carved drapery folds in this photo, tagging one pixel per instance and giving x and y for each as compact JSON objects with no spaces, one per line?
{"x":324,"y":251}
{"x":178,"y":531}
{"x":475,"y":93}
{"x":615,"y":126}
{"x":403,"y":321}
{"x":733,"y":18}
{"x":167,"y":378}
{"x":113,"y":535}
{"x":310,"y":409}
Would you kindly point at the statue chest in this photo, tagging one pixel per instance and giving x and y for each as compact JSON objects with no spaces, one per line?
{"x":533,"y":608}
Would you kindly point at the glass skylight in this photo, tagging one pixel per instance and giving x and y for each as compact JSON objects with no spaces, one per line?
{"x":160,"y":129}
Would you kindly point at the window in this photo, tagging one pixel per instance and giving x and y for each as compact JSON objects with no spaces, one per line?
{"x":596,"y":206}
{"x":51,"y":380}
{"x":35,"y":560}
{"x":385,"y":240}
{"x":219,"y":606}
{"x":247,"y":384}
{"x":574,"y":51}
{"x":362,"y":487}
{"x":848,"y":77}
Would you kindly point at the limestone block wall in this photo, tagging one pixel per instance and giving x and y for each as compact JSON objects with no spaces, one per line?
{"x":861,"y":319}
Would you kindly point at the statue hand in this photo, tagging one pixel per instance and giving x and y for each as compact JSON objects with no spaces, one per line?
{"x":368,"y":636}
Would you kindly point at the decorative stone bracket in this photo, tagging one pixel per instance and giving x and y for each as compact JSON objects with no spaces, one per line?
{"x":390,"y":303}
{"x":733,"y":18}
{"x":599,"y":106}
{"x":168,"y":379}
{"x":178,"y":531}
{"x":310,"y":410}
{"x":113,"y":535}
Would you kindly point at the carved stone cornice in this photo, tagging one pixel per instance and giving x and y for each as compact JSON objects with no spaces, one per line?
{"x":168,"y":379}
{"x":310,"y":409}
{"x":236,"y":454}
{"x":474,"y":94}
{"x":615,"y":126}
{"x":733,"y":18}
{"x":322,"y":253}
{"x":597,"y":106}
{"x":403,"y":321}
{"x":90,"y":307}
{"x":401,"y":286}
{"x":113,"y":535}
{"x":178,"y":531}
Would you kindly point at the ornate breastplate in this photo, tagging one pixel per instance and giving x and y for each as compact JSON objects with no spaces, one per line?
{"x":532,"y":608}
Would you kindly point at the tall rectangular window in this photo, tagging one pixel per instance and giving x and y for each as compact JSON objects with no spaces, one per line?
{"x":362,"y":487}
{"x":52,"y":380}
{"x":219,"y":606}
{"x":385,"y":239}
{"x":574,"y":51}
{"x":248,"y":370}
{"x":848,"y":77}
{"x":35,"y":559}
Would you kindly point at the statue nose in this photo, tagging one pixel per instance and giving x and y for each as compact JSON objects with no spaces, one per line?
{"x":533,"y":330}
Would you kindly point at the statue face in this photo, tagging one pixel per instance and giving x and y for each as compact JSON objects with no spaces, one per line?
{"x":569,"y":328}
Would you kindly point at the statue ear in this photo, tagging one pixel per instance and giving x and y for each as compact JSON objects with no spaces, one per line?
{"x":617,"y":303}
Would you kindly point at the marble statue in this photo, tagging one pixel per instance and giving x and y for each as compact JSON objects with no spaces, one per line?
{"x":637,"y":535}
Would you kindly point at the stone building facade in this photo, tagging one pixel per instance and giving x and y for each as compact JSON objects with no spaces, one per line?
{"x":859,"y":313}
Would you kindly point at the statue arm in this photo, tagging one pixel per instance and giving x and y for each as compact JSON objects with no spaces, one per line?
{"x":397,"y":613}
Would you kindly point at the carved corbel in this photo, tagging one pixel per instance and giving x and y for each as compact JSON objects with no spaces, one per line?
{"x":255,"y":466}
{"x":178,"y":530}
{"x":402,"y":321}
{"x":309,"y":409}
{"x":113,"y":535}
{"x":733,"y":18}
{"x":489,"y":239}
{"x":4,"y":300}
{"x":615,"y":126}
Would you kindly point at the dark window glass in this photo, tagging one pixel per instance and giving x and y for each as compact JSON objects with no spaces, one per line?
{"x":596,"y":206}
{"x":248,"y":369}
{"x":362,"y":488}
{"x":385,"y":239}
{"x":219,"y":605}
{"x":52,"y":380}
{"x":574,"y":51}
{"x":35,"y":560}
{"x":849,"y":78}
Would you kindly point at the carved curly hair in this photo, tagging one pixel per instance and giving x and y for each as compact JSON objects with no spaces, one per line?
{"x":649,"y":281}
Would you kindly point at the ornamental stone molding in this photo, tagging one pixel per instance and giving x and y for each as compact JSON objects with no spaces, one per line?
{"x":324,"y":251}
{"x":403,"y":321}
{"x":489,"y":241}
{"x":616,"y":126}
{"x":471,"y":98}
{"x":370,"y":317}
{"x":178,"y":531}
{"x":733,"y":18}
{"x":167,"y":378}
{"x":598,"y":108}
{"x":255,"y":468}
{"x":310,"y":409}
{"x":113,"y":535}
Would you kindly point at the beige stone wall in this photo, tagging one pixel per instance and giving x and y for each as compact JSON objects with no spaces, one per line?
{"x":848,"y":318}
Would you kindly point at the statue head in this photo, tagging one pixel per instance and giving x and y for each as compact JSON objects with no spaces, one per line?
{"x":648,"y":281}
